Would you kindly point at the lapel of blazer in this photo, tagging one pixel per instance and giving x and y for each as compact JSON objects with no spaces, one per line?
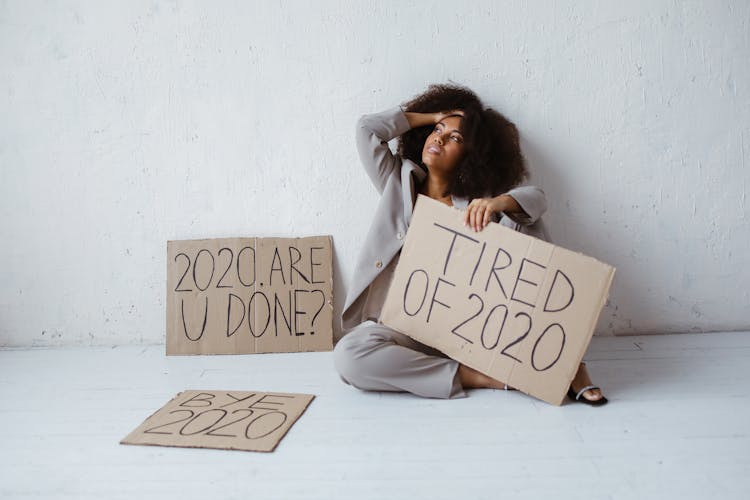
{"x":408,"y":176}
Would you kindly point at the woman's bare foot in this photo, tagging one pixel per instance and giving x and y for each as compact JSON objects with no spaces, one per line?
{"x":581,"y":380}
{"x":472,"y":379}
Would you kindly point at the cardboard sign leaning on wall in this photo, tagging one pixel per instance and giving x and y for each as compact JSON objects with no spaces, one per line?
{"x":511,"y":306}
{"x":249,"y":295}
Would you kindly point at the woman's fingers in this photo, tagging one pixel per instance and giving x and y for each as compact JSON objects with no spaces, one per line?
{"x":487,"y":217}
{"x":477,"y":218}
{"x":478,"y":214}
{"x":444,"y":114}
{"x":467,"y":215}
{"x":471,"y":214}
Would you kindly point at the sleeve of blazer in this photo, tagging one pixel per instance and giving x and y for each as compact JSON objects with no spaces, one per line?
{"x":373,"y":133}
{"x":532,"y":200}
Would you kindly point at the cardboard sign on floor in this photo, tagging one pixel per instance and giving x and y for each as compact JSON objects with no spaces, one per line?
{"x":228,"y":420}
{"x":513,"y":307}
{"x":249,"y":295}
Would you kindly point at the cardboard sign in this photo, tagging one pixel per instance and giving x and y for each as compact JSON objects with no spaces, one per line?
{"x":511,"y":306}
{"x":249,"y":295}
{"x":249,"y":421}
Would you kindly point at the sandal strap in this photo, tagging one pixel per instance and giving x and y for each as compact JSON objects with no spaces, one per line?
{"x":580,"y":393}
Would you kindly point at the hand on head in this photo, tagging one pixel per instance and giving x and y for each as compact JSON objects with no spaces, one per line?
{"x":441,"y":115}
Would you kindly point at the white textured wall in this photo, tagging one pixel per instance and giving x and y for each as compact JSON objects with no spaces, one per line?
{"x":125,"y":124}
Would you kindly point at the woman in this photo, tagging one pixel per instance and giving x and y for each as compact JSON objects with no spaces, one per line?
{"x":468,"y":157}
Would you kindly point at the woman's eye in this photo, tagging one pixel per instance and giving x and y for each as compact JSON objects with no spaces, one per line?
{"x":456,"y":138}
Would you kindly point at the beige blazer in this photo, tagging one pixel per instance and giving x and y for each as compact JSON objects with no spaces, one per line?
{"x":395,"y":178}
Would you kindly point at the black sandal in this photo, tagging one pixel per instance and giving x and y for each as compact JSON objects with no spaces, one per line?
{"x":577,"y":396}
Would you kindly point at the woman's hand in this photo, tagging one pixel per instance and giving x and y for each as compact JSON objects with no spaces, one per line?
{"x":423,"y":119}
{"x":480,"y":211}
{"x":445,"y":114}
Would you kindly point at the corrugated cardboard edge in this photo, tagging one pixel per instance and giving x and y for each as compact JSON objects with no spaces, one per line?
{"x":281,"y":437}
{"x":328,"y":304}
{"x":590,"y":329}
{"x":122,"y":441}
{"x":526,"y":253}
{"x":604,"y":297}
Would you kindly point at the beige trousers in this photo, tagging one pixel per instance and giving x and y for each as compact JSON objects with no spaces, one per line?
{"x":373,"y":357}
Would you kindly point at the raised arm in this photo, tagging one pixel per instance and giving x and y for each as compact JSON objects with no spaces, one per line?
{"x":373,"y":133}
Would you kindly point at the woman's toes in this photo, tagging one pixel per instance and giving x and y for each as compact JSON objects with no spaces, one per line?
{"x":593,"y":394}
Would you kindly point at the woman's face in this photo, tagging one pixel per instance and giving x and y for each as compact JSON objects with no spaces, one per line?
{"x":444,"y":147}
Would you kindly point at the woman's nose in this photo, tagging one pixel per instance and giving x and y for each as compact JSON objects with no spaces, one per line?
{"x":439,"y":140}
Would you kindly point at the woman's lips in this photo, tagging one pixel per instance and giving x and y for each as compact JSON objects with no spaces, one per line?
{"x":433,"y":149}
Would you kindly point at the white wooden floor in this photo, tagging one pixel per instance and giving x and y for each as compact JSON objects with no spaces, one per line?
{"x":677,"y":426}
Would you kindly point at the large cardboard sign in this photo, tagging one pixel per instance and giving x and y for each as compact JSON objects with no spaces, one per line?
{"x":249,"y":295}
{"x":229,"y":420}
{"x":516,"y":308}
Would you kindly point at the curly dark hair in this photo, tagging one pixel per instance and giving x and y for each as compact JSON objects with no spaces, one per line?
{"x":493,"y":162}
